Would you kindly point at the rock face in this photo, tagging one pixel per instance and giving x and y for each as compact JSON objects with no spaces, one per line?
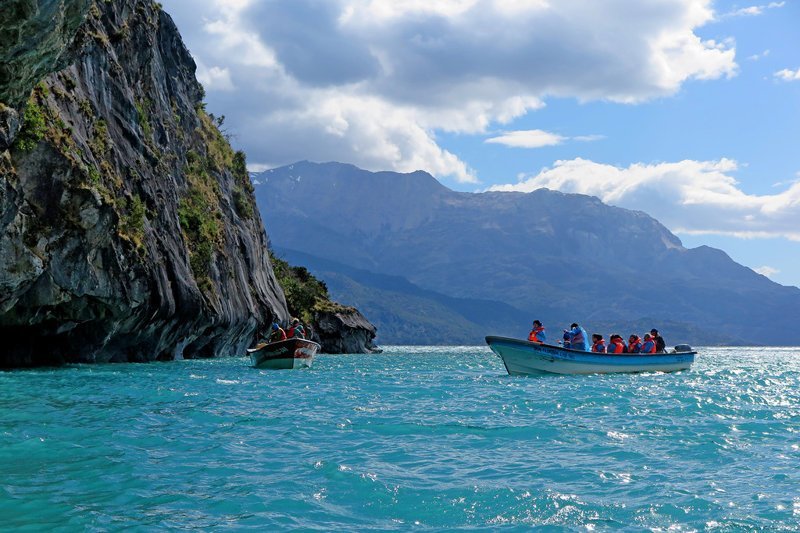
{"x":406,"y":248}
{"x":344,"y":330}
{"x":129,"y":231}
{"x":37,"y":35}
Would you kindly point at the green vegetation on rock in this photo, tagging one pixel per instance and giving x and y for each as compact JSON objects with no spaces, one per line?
{"x":131,"y":224}
{"x":200,"y":217}
{"x":34,"y":123}
{"x":304,"y":293}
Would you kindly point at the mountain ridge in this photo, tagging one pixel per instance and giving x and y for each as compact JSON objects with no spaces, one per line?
{"x":551,"y":254}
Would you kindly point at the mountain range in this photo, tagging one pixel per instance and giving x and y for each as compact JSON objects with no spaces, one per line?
{"x":430,"y":265}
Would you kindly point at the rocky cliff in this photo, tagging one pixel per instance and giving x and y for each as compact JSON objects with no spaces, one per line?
{"x":344,"y":330}
{"x":129,"y":230}
{"x":338,"y":329}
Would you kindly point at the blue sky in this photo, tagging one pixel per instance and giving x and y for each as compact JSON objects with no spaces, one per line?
{"x":688,"y":110}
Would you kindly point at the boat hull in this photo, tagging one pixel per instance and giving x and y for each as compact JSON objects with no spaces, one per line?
{"x":528,"y":358}
{"x":284,"y":355}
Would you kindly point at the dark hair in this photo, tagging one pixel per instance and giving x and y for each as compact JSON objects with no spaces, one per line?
{"x":536,"y":322}
{"x":596,"y":336}
{"x":574,"y":325}
{"x":654,"y":330}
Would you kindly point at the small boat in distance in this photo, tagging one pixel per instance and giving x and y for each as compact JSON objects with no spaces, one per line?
{"x":523,"y":358}
{"x":285,"y":354}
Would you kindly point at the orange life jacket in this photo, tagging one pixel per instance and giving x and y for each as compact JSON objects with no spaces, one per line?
{"x":532,"y":336}
{"x":599,"y":346}
{"x":616,"y":346}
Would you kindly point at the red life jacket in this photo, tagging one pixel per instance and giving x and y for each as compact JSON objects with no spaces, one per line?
{"x":616,"y":346}
{"x":599,"y":346}
{"x":649,"y":347}
{"x":532,"y":336}
{"x":635,"y":346}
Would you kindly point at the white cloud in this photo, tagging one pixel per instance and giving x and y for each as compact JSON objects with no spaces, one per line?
{"x":788,"y":75}
{"x":756,"y":57}
{"x":693,"y":197}
{"x":527,"y":139}
{"x":754,"y":10}
{"x":537,"y":139}
{"x":372,"y":81}
{"x":214,"y":78}
{"x":767,"y":271}
{"x":588,"y":138}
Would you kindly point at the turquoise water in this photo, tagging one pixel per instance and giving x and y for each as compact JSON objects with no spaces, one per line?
{"x":415,"y":438}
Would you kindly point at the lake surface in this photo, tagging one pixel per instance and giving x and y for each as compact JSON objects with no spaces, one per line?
{"x":429,"y":438}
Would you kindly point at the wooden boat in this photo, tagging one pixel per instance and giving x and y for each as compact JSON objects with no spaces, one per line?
{"x":286,"y":354}
{"x":521,"y":357}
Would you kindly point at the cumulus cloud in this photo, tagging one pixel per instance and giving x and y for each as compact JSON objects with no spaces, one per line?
{"x":692,"y":197}
{"x":372,"y":81}
{"x":788,"y":75}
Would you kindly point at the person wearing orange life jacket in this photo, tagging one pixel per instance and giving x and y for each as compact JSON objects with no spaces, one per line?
{"x":649,"y":345}
{"x":537,"y":333}
{"x":598,"y":344}
{"x":634,"y":344}
{"x":277,"y":334}
{"x":296,"y":330}
{"x":616,"y":345}
{"x":661,"y":345}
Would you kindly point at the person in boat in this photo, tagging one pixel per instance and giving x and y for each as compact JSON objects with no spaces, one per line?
{"x":661,"y":345}
{"x":649,"y":345}
{"x":578,"y":340}
{"x":616,"y":345}
{"x":277,"y":333}
{"x":537,"y":333}
{"x":565,"y":341}
{"x":598,"y":343}
{"x":634,"y":344}
{"x":296,"y":330}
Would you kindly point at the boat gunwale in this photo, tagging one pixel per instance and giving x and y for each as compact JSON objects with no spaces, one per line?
{"x":284,"y":341}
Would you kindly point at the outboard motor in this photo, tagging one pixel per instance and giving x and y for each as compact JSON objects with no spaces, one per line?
{"x":683,"y":348}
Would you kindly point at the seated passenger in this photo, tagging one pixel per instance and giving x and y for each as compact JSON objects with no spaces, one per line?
{"x":277,"y":333}
{"x":649,"y":345}
{"x":598,"y":344}
{"x":634,"y":344}
{"x":578,"y":340}
{"x":296,"y":330}
{"x":537,"y":333}
{"x":661,"y":345}
{"x":617,"y":345}
{"x":565,"y":342}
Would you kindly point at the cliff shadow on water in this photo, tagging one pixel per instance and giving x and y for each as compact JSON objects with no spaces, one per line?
{"x":129,"y":228}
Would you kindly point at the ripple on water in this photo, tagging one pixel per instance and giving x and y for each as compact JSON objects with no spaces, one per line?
{"x":437,"y":437}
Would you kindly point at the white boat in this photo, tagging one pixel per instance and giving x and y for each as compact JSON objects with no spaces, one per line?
{"x":522,"y":357}
{"x":285,"y":354}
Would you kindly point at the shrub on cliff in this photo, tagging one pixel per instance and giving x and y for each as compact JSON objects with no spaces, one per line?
{"x":304,"y":293}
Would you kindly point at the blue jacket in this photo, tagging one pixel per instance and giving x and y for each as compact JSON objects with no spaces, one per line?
{"x":578,"y":339}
